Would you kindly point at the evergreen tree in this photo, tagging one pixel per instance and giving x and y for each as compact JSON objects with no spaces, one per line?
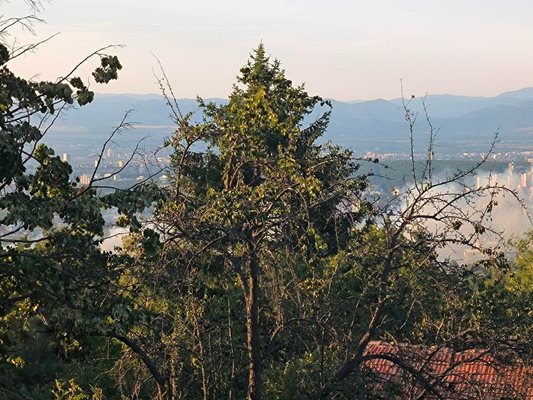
{"x":263,"y":185}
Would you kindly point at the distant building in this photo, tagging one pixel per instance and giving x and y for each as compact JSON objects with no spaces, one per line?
{"x":85,"y":179}
{"x":65,"y":157}
{"x":523,"y":180}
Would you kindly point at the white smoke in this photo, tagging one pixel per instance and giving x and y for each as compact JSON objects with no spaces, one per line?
{"x":113,"y":238}
{"x":510,"y":216}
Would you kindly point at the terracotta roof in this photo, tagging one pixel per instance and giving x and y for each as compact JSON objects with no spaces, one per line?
{"x":473,"y":374}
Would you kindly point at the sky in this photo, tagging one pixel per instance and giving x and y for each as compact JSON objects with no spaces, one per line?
{"x":342,"y":49}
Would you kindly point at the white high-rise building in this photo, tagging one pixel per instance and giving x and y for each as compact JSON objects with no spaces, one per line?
{"x":523,"y":180}
{"x":85,"y":179}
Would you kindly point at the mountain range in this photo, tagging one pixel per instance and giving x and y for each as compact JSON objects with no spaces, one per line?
{"x":464,"y":123}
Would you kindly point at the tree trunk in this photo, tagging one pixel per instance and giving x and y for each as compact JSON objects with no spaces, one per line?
{"x":252,"y":331}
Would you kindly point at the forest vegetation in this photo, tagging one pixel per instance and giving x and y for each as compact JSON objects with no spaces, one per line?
{"x":265,"y":270}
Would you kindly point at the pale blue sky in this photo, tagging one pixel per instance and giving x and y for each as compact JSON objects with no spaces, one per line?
{"x":339,"y":48}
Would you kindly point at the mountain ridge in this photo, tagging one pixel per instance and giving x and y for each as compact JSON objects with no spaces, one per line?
{"x":372,"y":125}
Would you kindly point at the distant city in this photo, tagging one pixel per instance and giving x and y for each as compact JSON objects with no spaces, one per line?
{"x":512,"y":169}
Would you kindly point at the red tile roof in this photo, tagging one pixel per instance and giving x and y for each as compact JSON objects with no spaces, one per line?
{"x":473,"y":374}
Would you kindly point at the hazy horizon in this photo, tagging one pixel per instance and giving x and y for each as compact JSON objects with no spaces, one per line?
{"x":349,"y":100}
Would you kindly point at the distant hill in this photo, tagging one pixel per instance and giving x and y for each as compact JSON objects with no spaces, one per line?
{"x":464,"y":123}
{"x":525,"y":93}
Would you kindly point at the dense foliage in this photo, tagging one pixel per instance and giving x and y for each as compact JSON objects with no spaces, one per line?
{"x":56,"y":283}
{"x":265,"y":272}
